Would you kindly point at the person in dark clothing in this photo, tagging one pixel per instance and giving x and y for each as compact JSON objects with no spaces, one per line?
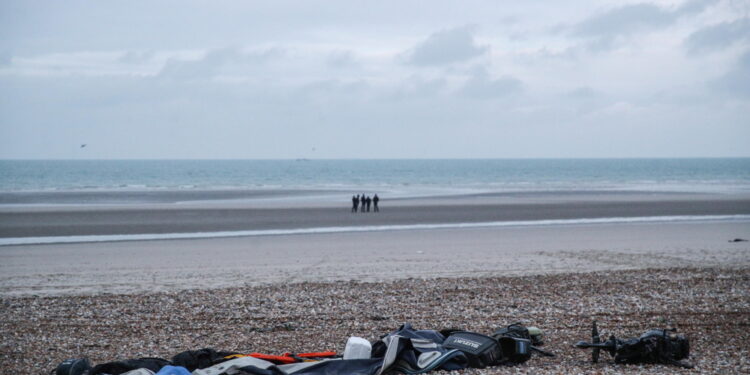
{"x":369,"y":200}
{"x":362,"y":205}
{"x":375,"y":201}
{"x":355,"y":202}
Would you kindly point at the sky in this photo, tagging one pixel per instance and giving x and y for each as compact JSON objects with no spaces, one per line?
{"x":374,"y":79}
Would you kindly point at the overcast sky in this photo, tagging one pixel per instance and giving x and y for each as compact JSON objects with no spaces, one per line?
{"x":375,"y":79}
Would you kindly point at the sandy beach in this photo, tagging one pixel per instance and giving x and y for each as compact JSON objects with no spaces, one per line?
{"x":572,"y":242}
{"x":143,"y":266}
{"x":190,"y":293}
{"x":53,"y":215}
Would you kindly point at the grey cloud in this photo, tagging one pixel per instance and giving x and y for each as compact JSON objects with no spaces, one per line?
{"x":341,"y":59}
{"x":481,"y":85}
{"x":77,"y":25}
{"x":623,"y":20}
{"x":416,"y":86}
{"x":603,"y":29}
{"x":134,"y":57}
{"x":719,"y":36}
{"x":329,"y":88}
{"x":345,"y":72}
{"x":177,"y":119}
{"x":584,"y":100}
{"x":5,"y":58}
{"x":736,"y":81}
{"x":213,"y":61}
{"x":200,"y":68}
{"x":445,"y":47}
{"x":694,"y":7}
{"x":584,"y":92}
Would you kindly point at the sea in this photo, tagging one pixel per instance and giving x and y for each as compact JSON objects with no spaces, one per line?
{"x":45,"y":182}
{"x":413,"y":177}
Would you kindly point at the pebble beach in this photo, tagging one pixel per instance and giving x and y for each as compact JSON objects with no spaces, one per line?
{"x":709,"y":305}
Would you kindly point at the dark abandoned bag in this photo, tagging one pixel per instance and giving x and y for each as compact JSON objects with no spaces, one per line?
{"x":199,"y":359}
{"x":514,"y":350}
{"x":481,"y":350}
{"x":520,"y":331}
{"x":525,"y":340}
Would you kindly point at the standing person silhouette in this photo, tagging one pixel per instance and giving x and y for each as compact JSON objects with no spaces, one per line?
{"x":362,"y":201}
{"x":368,"y":203}
{"x":355,"y":203}
{"x":375,"y":201}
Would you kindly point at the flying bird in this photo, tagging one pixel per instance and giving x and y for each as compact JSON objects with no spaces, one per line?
{"x":83,"y":145}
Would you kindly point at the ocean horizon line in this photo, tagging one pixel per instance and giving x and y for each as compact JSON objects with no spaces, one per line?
{"x":386,"y":159}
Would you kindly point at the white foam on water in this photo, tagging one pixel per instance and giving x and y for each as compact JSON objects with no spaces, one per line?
{"x":370,"y":228}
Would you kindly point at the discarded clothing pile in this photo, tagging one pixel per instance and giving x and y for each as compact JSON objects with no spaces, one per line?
{"x":405,"y":350}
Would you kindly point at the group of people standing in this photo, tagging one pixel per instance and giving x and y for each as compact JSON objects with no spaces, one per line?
{"x":362,"y":203}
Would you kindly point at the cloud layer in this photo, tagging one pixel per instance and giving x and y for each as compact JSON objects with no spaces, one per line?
{"x":719,"y":36}
{"x":446,"y":47}
{"x":389,"y":79}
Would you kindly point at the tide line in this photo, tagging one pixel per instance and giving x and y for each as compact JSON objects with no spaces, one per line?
{"x":371,"y":228}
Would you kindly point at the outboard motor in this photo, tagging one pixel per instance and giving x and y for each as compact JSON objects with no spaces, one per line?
{"x":655,"y":346}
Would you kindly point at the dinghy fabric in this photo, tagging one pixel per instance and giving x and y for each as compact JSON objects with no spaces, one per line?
{"x":417,"y":351}
{"x":405,"y":350}
{"x":173,"y":370}
{"x":201,"y":358}
{"x":142,"y":371}
{"x":121,"y":367}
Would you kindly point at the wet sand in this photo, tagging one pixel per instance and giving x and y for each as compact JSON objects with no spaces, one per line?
{"x":144,"y":266}
{"x":138,"y":217}
{"x":140,"y":266}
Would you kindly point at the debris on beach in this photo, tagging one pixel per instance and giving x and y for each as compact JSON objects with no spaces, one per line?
{"x":711,"y":305}
{"x":655,"y":346}
{"x":405,"y":350}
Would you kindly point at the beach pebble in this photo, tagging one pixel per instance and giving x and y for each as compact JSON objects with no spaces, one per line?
{"x":710,"y":306}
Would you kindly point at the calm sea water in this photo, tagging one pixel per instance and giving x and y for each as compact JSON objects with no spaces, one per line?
{"x":711,"y":175}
